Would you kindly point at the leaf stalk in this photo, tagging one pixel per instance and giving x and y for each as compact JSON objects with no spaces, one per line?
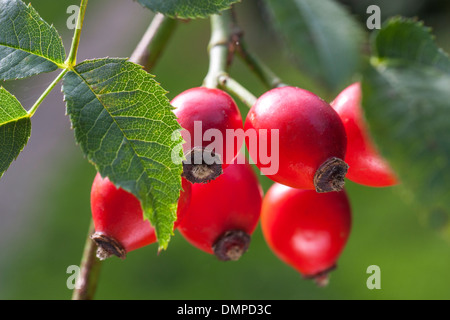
{"x":72,"y":58}
{"x":46,"y":92}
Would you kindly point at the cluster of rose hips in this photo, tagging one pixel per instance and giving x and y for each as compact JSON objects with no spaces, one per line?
{"x":305,"y":215}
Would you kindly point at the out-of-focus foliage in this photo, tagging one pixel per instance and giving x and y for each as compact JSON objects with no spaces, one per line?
{"x":413,"y":259}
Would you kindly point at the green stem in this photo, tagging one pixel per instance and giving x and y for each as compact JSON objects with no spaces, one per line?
{"x":219,"y":48}
{"x":72,"y":58}
{"x":46,"y":92}
{"x":232,"y":86}
{"x":262,"y":71}
{"x":89,"y":270}
{"x":226,"y":38}
{"x":154,"y":41}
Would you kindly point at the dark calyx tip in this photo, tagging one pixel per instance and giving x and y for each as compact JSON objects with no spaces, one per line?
{"x":331,"y":175}
{"x":321,"y":278}
{"x":232,"y":245}
{"x":108,"y":246}
{"x":201,"y":165}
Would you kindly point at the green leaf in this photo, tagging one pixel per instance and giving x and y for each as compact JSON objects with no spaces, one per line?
{"x":28,"y":44}
{"x":124,"y":124}
{"x":15,"y":129}
{"x":408,"y":41}
{"x":406,"y":100}
{"x":322,"y":36}
{"x":188,"y":9}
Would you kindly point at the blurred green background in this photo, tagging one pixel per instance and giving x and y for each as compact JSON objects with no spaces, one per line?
{"x":44,"y":196}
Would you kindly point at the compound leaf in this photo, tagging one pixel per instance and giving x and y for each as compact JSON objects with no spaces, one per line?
{"x":15,"y":129}
{"x":28,"y":44}
{"x":188,"y":9}
{"x":125,"y":126}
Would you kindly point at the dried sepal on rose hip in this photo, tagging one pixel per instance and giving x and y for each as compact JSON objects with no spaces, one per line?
{"x":303,"y":134}
{"x":305,"y":229}
{"x":118,"y":218}
{"x":223,"y":213}
{"x":205,"y":114}
{"x":367,"y":166}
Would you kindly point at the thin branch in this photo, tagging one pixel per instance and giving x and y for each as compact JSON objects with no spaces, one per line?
{"x":232,"y":86}
{"x":219,"y":48}
{"x":86,"y":284}
{"x":154,"y":41}
{"x":261,"y":70}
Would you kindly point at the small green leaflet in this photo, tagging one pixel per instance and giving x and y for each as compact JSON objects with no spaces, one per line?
{"x":15,"y":129}
{"x":28,"y":44}
{"x":406,"y":97}
{"x":409,"y":41}
{"x":323,"y":38}
{"x":187,"y":9}
{"x":125,"y":126}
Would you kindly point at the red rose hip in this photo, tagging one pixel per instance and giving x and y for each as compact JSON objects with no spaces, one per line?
{"x":224,"y":213}
{"x":311,"y":139}
{"x":367,"y":166}
{"x":118,"y":218}
{"x":305,"y":229}
{"x":205,"y":115}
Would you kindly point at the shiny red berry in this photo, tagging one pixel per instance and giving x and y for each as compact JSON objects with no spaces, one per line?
{"x":223,"y":213}
{"x":304,"y":134}
{"x":305,"y":229}
{"x":367,"y":166}
{"x":118,"y":218}
{"x":206,"y":115}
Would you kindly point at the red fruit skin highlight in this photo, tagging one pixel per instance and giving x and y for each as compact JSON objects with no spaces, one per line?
{"x":367,"y":166}
{"x":118,"y":214}
{"x":215,"y":109}
{"x":230,"y":202}
{"x":305,"y":229}
{"x":310,"y":132}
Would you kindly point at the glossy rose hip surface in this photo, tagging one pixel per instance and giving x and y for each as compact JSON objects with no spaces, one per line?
{"x":215,"y":109}
{"x":118,"y":214}
{"x":306,"y":229}
{"x":231,"y":202}
{"x":310,"y":132}
{"x":367,"y":166}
